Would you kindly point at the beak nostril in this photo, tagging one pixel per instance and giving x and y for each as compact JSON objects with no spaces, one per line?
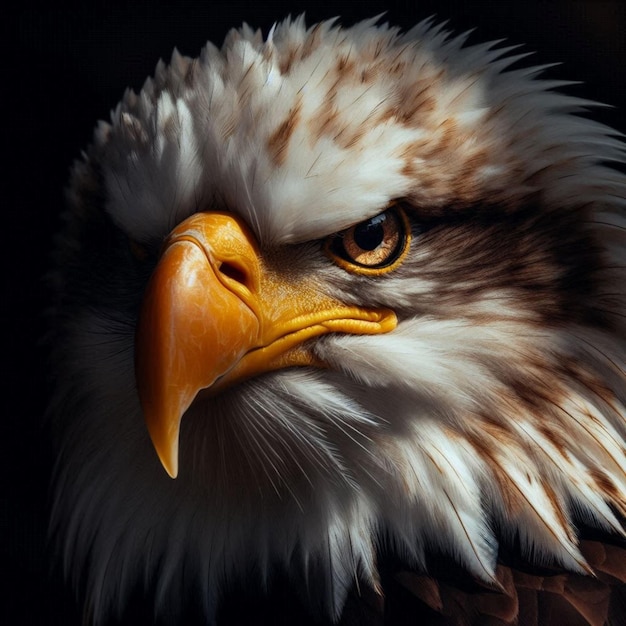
{"x":234,"y":272}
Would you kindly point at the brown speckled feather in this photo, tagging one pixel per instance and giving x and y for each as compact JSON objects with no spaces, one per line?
{"x":531,"y":599}
{"x":462,"y":463}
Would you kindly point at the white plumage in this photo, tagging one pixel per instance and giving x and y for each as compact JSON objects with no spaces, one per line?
{"x":493,"y":413}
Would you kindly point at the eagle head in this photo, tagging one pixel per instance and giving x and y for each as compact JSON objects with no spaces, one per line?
{"x":333,"y":296}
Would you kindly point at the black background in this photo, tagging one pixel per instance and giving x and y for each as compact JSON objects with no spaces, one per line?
{"x":64,"y":69}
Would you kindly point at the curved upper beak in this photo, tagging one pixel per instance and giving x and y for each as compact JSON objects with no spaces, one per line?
{"x":213,"y":314}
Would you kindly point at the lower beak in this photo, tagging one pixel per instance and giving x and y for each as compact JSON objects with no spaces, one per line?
{"x":213,"y":314}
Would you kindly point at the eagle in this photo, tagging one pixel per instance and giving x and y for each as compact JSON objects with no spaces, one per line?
{"x":338,"y":334}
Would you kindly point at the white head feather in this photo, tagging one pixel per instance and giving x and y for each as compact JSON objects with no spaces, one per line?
{"x":490,"y":411}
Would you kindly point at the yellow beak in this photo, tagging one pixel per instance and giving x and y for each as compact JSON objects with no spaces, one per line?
{"x":213,"y":314}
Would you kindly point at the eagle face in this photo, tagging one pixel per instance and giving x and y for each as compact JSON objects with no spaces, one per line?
{"x":358,"y":291}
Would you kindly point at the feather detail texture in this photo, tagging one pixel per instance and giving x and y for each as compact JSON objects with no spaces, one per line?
{"x":486,"y":432}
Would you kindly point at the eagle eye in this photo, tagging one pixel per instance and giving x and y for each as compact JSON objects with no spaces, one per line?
{"x":374,"y":246}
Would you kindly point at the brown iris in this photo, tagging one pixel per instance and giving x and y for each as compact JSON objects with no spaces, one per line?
{"x":374,"y":246}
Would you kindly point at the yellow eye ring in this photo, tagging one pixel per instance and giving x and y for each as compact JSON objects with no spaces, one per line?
{"x":375,"y":246}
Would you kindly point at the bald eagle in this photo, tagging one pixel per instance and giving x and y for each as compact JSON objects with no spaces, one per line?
{"x":339,"y":312}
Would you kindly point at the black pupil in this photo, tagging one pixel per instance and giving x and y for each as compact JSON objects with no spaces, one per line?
{"x":369,"y":235}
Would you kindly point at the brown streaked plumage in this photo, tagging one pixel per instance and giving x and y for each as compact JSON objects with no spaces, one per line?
{"x":279,"y":140}
{"x":406,"y":363}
